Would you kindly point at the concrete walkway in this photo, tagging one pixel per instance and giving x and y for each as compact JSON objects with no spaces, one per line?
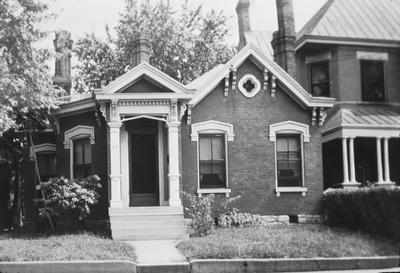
{"x":157,"y":252}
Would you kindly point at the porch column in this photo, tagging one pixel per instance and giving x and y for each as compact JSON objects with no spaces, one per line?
{"x":173,"y":175}
{"x":386,"y":161}
{"x":352,"y":163}
{"x":115,"y":164}
{"x":379,"y":159}
{"x":345,"y":163}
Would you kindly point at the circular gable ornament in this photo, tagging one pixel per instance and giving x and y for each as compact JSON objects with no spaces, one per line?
{"x":249,"y":85}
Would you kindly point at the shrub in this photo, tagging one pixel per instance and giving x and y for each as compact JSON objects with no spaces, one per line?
{"x":375,"y":210}
{"x":74,"y":196}
{"x":199,"y":211}
{"x":240,"y":219}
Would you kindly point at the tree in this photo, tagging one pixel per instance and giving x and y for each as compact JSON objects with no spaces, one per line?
{"x":185,"y":44}
{"x":26,"y":92}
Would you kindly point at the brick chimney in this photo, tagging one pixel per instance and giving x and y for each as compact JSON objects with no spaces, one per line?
{"x":62,"y":73}
{"x":141,"y":50}
{"x":284,"y":39}
{"x":242,"y":10}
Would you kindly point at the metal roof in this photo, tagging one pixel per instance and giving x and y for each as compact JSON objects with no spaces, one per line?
{"x":262,"y":40}
{"x":359,"y":19}
{"x":365,"y":117}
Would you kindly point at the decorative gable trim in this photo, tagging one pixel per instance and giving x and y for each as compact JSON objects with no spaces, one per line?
{"x":80,"y":131}
{"x":41,"y":148}
{"x":291,"y":86}
{"x":151,"y":72}
{"x":212,"y":127}
{"x":289,"y":127}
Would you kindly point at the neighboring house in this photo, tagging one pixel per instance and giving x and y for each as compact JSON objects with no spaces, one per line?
{"x":244,"y":128}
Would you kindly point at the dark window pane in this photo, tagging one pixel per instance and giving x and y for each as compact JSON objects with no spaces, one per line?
{"x":47,"y":165}
{"x":320,"y":84}
{"x":372,"y":81}
{"x":82,"y":158}
{"x":288,"y":151}
{"x":212,"y":161}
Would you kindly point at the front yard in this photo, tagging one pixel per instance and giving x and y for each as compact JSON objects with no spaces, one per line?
{"x":64,"y":248}
{"x":286,"y":241}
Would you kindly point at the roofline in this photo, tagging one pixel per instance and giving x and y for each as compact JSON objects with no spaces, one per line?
{"x":142,"y":96}
{"x":345,"y":41}
{"x":300,"y":95}
{"x":136,"y":72}
{"x":75,"y":107}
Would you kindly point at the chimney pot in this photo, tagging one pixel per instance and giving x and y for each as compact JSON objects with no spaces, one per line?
{"x":242,"y":10}
{"x":141,"y":50}
{"x":63,"y":47}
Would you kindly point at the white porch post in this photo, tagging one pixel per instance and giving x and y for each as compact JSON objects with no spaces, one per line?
{"x":173,"y":175}
{"x":115,"y":164}
{"x":345,"y":163}
{"x":386,"y":161}
{"x":379,"y":159}
{"x":352,"y":161}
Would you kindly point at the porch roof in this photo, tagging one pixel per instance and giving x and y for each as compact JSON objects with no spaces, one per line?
{"x":367,"y":121}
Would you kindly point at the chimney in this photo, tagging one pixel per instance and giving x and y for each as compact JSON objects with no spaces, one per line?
{"x":284,"y":39}
{"x":141,"y":50}
{"x":242,"y":10}
{"x":62,"y":73}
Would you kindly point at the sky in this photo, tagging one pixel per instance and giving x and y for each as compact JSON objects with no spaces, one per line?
{"x":87,"y":16}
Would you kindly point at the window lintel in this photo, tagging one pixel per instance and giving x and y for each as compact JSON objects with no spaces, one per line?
{"x":212,"y":127}
{"x":289,"y":127}
{"x":80,"y":131}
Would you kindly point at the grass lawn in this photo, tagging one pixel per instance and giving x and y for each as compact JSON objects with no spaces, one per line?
{"x":64,"y":248}
{"x":285,"y":241}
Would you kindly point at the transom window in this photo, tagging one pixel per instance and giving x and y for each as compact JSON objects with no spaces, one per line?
{"x":320,"y":84}
{"x":372,"y":80}
{"x":82,"y":162}
{"x":289,"y":160}
{"x":212,"y":161}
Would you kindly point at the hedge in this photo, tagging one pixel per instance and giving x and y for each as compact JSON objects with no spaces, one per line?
{"x":375,"y":210}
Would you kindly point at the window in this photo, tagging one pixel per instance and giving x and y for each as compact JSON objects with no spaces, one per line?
{"x":47,"y":165}
{"x":212,"y":162}
{"x":82,"y":158}
{"x":319,"y":75}
{"x":289,"y":163}
{"x":372,"y":80}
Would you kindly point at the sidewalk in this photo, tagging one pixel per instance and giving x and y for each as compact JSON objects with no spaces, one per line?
{"x":157,"y":252}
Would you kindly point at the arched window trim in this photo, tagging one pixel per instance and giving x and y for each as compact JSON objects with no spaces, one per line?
{"x":41,"y":148}
{"x":80,"y":131}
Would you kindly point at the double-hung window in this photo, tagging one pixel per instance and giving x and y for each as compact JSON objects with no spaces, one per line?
{"x":46,"y":165}
{"x":82,"y":162}
{"x":372,"y":80}
{"x":212,"y":161}
{"x":319,"y":77}
{"x":289,"y":160}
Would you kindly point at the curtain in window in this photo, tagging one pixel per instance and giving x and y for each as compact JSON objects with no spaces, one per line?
{"x":82,"y":158}
{"x":212,"y":161}
{"x":288,"y":150}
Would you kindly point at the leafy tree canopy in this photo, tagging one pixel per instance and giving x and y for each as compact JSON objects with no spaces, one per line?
{"x":26,"y":93}
{"x":185,"y":44}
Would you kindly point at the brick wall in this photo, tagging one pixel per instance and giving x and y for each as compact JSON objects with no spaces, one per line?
{"x":251,"y":170}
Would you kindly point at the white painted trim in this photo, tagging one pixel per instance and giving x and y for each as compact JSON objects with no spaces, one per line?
{"x":161,"y":176}
{"x":214,"y":191}
{"x":150,"y":71}
{"x":294,"y":89}
{"x":303,"y":190}
{"x":253,"y":92}
{"x":289,"y":127}
{"x":373,"y":132}
{"x":294,"y":128}
{"x":41,"y":148}
{"x":375,"y":56}
{"x":78,"y":132}
{"x":212,"y":127}
{"x":126,"y":167}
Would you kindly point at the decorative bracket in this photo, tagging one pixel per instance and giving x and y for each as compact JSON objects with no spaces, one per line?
{"x":226,"y":85}
{"x":182,"y":111}
{"x":322,"y":116}
{"x":234,"y":78}
{"x":114,"y":110}
{"x":189,"y":114}
{"x":273,"y":86}
{"x":314,"y":116}
{"x":173,"y":113}
{"x":266,"y":78}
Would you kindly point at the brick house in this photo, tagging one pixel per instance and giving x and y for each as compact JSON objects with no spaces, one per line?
{"x":274,"y":129}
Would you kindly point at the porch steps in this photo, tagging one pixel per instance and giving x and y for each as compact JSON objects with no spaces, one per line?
{"x":148,"y":223}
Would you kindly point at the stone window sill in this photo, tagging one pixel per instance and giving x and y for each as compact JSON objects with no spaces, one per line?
{"x":303,"y":190}
{"x":200,"y":192}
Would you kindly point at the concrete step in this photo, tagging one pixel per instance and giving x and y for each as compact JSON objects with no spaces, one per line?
{"x":138,"y":222}
{"x":145,"y":210}
{"x":161,"y":233}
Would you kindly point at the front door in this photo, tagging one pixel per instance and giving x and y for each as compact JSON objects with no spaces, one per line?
{"x":144,"y":169}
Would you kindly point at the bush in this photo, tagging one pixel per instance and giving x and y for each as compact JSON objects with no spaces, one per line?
{"x":375,"y":210}
{"x":74,"y":196}
{"x":199,"y":211}
{"x":240,"y":219}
